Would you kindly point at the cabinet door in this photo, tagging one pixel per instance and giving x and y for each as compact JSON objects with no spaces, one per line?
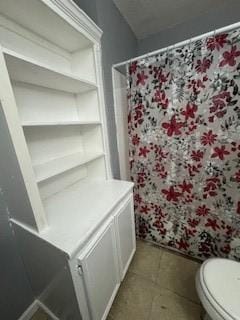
{"x":126,"y":241}
{"x":100,"y":272}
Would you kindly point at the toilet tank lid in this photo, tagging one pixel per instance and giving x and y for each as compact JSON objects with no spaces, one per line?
{"x":221,"y":279}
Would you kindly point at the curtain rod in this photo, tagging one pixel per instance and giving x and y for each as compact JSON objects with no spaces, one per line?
{"x":179,"y":44}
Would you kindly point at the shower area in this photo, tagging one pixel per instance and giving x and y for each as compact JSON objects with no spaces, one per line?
{"x":178,"y":123}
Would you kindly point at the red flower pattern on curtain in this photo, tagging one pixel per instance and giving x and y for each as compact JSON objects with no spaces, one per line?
{"x":184,"y":146}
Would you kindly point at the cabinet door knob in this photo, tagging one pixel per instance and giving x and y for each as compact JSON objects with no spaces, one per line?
{"x":80,"y":269}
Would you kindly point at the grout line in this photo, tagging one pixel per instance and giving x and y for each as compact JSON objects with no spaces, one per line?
{"x":159,"y":265}
{"x":142,"y":276}
{"x":158,"y":284}
{"x":153,"y":297}
{"x":150,"y":309}
{"x":183,"y":297}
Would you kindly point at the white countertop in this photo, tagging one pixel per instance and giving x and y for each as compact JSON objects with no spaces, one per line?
{"x":75,"y":213}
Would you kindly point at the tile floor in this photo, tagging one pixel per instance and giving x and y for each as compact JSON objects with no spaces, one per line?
{"x":160,"y":285}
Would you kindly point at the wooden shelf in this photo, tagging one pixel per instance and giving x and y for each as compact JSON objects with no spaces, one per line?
{"x":57,"y":166}
{"x":26,"y":70}
{"x":59,"y":123}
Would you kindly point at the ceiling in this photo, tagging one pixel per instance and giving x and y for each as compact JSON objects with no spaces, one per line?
{"x":147,"y":17}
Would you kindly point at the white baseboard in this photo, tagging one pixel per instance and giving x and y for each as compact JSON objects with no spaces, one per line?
{"x":48,"y":311}
{"x":27,"y":314}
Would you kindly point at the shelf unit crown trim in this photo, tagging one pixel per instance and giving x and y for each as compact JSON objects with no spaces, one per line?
{"x":76,"y":16}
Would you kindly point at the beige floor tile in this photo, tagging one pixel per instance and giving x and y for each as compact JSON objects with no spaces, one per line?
{"x":177,"y":274}
{"x":169,"y":306}
{"x":40,"y":315}
{"x":146,"y":260}
{"x":134,"y":299}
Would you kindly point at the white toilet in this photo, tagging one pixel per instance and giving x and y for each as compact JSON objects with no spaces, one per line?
{"x":218,"y":287}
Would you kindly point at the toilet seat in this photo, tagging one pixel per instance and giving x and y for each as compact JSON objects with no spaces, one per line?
{"x":218,"y":285}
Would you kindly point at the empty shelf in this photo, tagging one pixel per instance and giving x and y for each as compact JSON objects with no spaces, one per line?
{"x":59,"y":123}
{"x":27,"y":70}
{"x":57,"y":166}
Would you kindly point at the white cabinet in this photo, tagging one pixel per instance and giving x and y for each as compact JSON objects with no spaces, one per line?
{"x":99,"y":268}
{"x":126,"y":241}
{"x":99,"y":264}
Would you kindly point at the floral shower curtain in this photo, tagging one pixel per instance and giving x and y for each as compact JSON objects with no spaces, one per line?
{"x":184,"y":137}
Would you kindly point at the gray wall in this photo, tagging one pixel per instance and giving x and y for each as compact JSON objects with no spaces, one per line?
{"x":15,"y":291}
{"x":118,"y":44}
{"x":217,"y":18}
{"x":49,"y":275}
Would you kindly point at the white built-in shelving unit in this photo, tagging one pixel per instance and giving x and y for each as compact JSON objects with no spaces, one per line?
{"x":51,"y":93}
